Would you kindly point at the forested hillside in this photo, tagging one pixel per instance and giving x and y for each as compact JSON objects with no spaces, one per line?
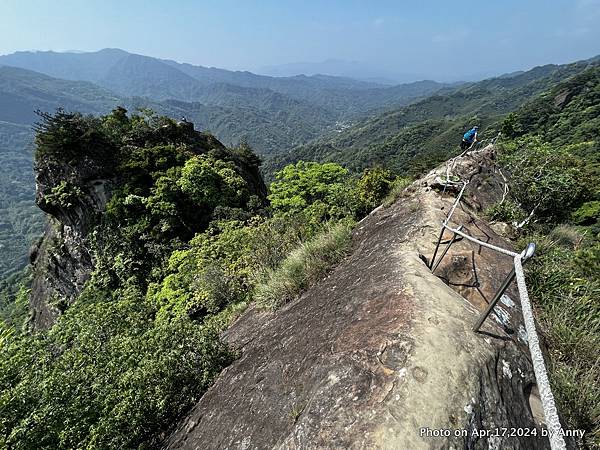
{"x":20,"y":219}
{"x":567,"y":114}
{"x":22,"y":92}
{"x":413,"y":138}
{"x":176,"y":239}
{"x":268,"y":120}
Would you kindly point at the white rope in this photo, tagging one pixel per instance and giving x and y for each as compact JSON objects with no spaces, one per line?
{"x":483,"y":244}
{"x":550,"y":412}
{"x":456,"y":202}
{"x":557,"y":441}
{"x":539,"y":368}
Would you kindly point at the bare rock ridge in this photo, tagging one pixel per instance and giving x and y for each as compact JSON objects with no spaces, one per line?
{"x":381,"y":354}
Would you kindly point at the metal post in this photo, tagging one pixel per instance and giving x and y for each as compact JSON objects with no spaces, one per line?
{"x":529,"y":252}
{"x":437,"y":246}
{"x":445,"y":250}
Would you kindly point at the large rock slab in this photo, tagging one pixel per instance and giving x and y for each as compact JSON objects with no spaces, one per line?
{"x":381,"y":354}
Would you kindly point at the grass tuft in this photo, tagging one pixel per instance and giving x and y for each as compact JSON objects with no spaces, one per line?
{"x":396,"y":191}
{"x":567,"y":236}
{"x":304,"y":266}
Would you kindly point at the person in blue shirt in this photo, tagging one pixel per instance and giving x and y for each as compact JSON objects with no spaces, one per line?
{"x":469,"y":138}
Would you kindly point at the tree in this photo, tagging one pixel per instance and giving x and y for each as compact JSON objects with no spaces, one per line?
{"x":320,"y":191}
{"x":545,"y":180}
{"x":373,"y":187}
{"x":511,"y":126}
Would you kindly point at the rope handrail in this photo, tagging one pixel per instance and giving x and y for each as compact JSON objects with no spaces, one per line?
{"x":448,"y":217}
{"x":456,"y":202}
{"x":557,"y":441}
{"x":483,"y":244}
{"x":552,"y":420}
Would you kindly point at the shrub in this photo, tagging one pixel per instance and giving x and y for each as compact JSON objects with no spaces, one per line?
{"x":321,"y":192}
{"x":510,"y":126}
{"x":507,"y":211}
{"x":222,"y":265}
{"x":372,"y":188}
{"x":71,"y":136}
{"x":588,"y":259}
{"x":544,"y":177}
{"x":108,"y":375}
{"x":588,"y":213}
{"x":63,"y":195}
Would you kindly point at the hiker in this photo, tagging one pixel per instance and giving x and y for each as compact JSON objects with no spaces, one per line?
{"x":469,"y":138}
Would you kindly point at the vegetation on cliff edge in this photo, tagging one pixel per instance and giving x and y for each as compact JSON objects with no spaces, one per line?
{"x":186,"y":240}
{"x":551,"y":149}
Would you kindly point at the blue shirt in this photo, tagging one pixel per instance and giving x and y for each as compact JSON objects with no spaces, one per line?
{"x":470,"y":135}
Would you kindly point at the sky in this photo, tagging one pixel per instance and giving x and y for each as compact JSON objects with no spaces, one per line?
{"x":436,"y":39}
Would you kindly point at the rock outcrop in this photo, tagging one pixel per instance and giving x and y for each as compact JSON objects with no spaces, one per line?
{"x":61,"y":260}
{"x":381,"y":353}
{"x":74,"y":191}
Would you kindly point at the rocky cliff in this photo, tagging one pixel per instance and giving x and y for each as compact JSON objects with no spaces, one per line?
{"x":381,"y":353}
{"x":62,"y":260}
{"x":79,"y":168}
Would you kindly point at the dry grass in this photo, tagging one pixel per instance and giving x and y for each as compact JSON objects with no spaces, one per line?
{"x":567,"y":236}
{"x":304,"y":266}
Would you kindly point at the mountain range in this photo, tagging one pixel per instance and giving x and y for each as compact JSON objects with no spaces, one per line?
{"x":272,"y":114}
{"x":417,"y":136}
{"x":128,"y":75}
{"x":341,"y":68}
{"x":285,"y":119}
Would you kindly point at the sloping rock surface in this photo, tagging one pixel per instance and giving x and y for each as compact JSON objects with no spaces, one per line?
{"x":381,"y":353}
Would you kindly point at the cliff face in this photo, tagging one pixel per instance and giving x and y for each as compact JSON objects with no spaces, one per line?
{"x":61,"y":260}
{"x":381,"y":354}
{"x":74,"y":193}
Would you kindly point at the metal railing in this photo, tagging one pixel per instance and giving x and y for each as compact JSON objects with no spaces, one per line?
{"x":557,"y":441}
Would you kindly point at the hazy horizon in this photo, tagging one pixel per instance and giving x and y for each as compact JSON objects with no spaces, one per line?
{"x":433,"y":40}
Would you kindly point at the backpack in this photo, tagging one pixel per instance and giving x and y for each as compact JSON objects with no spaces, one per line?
{"x":468,"y":136}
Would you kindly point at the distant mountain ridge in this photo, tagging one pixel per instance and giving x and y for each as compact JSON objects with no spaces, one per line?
{"x":341,"y":68}
{"x":419,"y":135}
{"x":128,"y":74}
{"x":22,"y":92}
{"x":268,"y":120}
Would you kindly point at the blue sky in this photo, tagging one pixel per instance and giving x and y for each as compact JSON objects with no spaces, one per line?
{"x":440,"y":39}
